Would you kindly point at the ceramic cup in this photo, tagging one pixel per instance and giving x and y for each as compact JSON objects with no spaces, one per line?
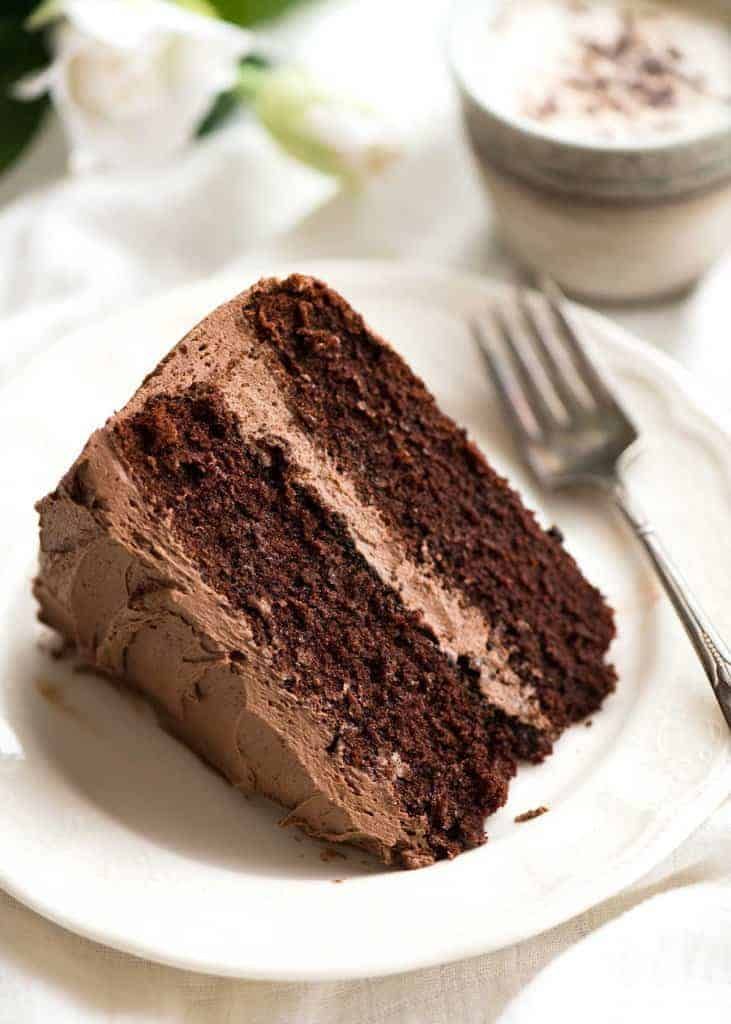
{"x":609,"y":222}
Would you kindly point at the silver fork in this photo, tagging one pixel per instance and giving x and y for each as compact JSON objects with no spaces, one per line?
{"x":570,"y":429}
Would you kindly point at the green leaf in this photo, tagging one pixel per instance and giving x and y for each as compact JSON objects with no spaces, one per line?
{"x":18,"y":8}
{"x":20,"y":53}
{"x":223,"y":107}
{"x":227,"y":102}
{"x":249,"y":12}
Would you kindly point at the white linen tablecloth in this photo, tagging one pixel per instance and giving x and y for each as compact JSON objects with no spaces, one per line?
{"x":74,"y":250}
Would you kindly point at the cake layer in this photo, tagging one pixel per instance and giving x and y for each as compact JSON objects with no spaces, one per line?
{"x":319,"y":582}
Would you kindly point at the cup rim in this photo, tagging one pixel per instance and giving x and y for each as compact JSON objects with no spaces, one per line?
{"x":521,"y":125}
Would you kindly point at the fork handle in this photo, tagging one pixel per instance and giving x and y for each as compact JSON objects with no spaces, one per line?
{"x":713,"y":653}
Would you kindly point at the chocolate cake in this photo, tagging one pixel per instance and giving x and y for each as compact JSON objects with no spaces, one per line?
{"x":319,"y":581}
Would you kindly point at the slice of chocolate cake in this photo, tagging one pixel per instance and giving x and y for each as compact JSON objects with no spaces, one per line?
{"x":320,"y":583}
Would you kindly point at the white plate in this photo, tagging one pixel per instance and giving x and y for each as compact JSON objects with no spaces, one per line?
{"x":114,"y":830}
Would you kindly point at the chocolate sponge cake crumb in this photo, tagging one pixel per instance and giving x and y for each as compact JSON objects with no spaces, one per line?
{"x":530,"y":815}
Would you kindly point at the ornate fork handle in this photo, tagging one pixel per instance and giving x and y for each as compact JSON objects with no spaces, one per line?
{"x":711,"y":650}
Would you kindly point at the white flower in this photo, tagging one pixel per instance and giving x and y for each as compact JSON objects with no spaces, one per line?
{"x":132,"y":79}
{"x":330,"y":132}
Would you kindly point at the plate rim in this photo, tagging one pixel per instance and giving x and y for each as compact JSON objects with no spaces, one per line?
{"x":662,"y":847}
{"x":711,"y":793}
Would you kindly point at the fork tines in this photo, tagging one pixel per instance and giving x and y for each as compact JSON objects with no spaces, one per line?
{"x":541,"y":369}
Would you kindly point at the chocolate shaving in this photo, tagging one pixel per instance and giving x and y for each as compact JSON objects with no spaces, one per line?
{"x":639,"y":76}
{"x":654,"y":66}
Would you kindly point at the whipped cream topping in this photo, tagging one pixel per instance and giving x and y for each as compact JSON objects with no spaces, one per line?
{"x":592,"y":71}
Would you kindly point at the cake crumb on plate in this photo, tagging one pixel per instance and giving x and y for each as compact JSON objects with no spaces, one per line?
{"x":530,"y":815}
